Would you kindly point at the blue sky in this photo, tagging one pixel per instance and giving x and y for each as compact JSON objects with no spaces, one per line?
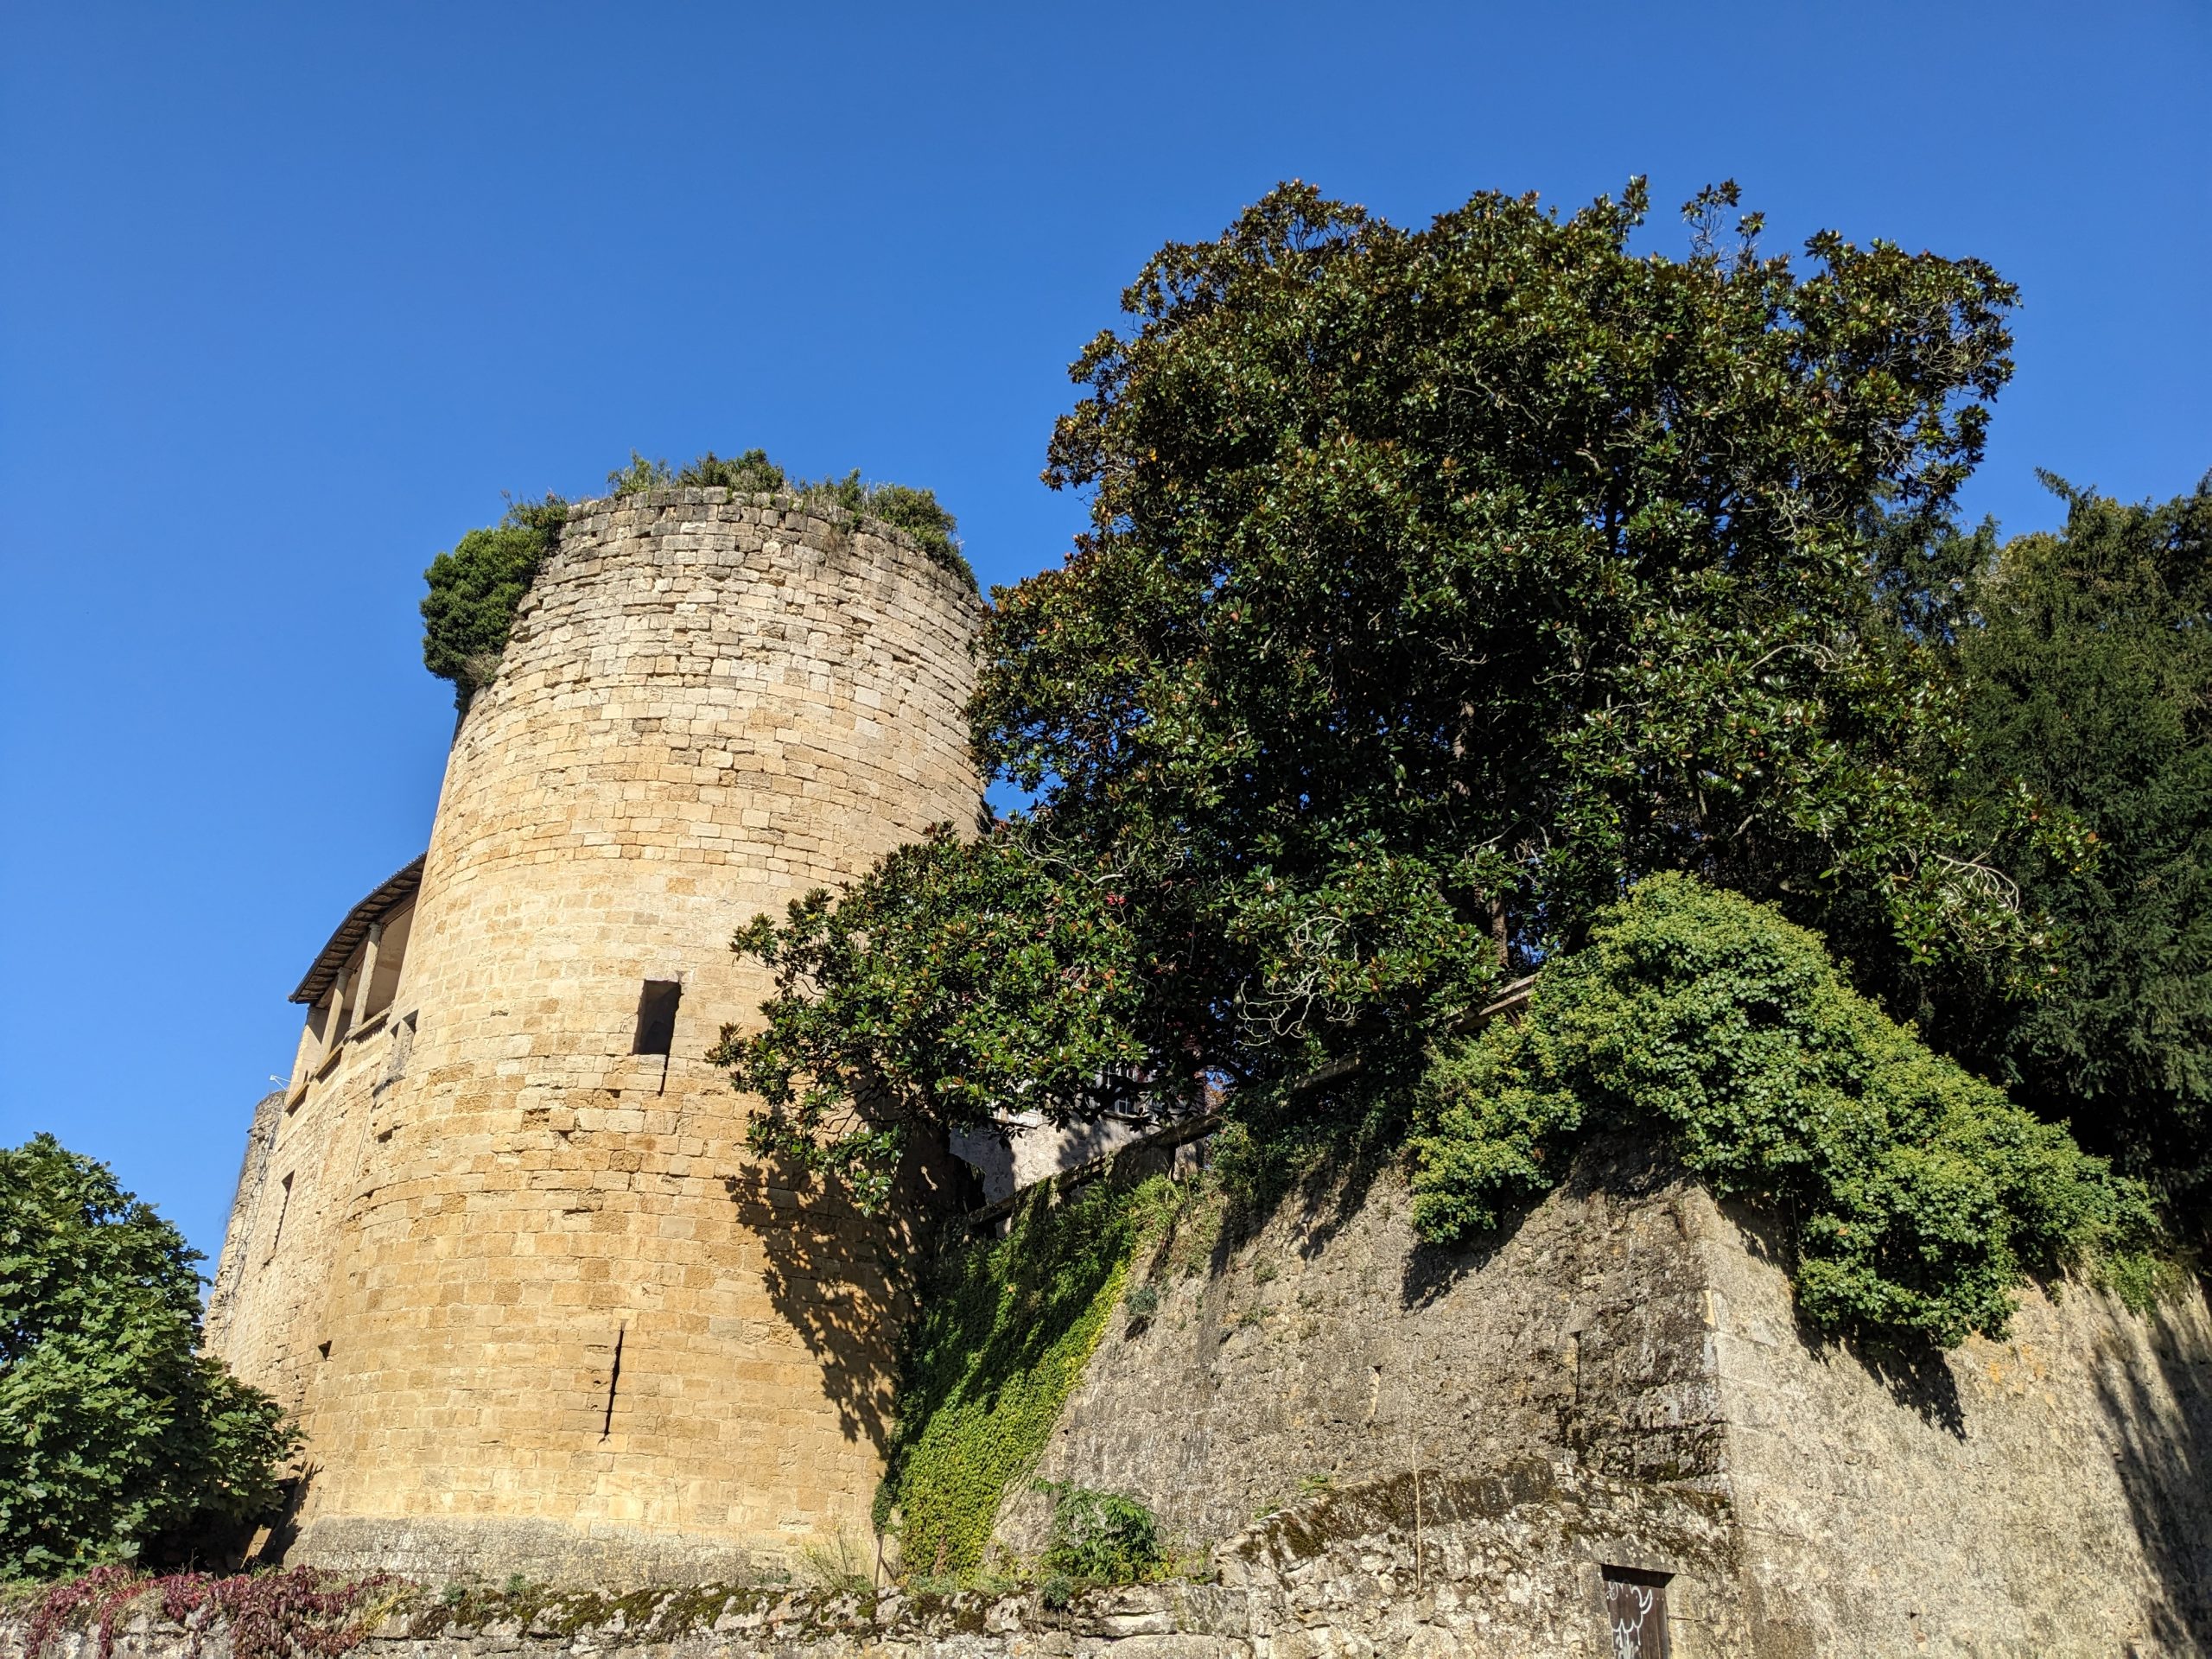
{"x":290,"y":295}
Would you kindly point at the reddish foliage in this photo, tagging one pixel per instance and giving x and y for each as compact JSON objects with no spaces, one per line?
{"x":297,"y":1612}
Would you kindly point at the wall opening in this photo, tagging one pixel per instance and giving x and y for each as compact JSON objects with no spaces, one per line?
{"x":656,"y":1016}
{"x":283,"y":1208}
{"x":1636,"y":1612}
{"x":614,"y":1381}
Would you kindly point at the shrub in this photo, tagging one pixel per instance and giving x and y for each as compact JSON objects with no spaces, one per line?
{"x":477,"y":587}
{"x":750,"y":473}
{"x":915,"y":512}
{"x":1916,"y":1195}
{"x":640,"y":475}
{"x":121,"y":1440}
{"x":901,"y":506}
{"x":1102,"y":1537}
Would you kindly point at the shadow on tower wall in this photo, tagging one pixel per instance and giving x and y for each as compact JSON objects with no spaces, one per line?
{"x":842,"y":1281}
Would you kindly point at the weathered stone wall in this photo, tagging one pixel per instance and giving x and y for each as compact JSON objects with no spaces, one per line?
{"x":1620,"y":1380}
{"x":2049,"y":1493}
{"x":265,"y":1311}
{"x":561,"y":1322}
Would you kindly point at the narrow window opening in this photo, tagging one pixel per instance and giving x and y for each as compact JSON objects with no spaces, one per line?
{"x":1636,"y":1612}
{"x":283,"y":1208}
{"x":323,"y":1348}
{"x":614,"y":1381}
{"x":656,"y":1016}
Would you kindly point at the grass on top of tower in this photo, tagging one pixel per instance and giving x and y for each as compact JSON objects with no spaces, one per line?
{"x":477,"y":585}
{"x":917,"y":512}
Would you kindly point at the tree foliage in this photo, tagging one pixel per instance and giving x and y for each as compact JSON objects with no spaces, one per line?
{"x":954,"y":980}
{"x":117,"y":1438}
{"x":1915,"y":1196}
{"x":2087,"y":661}
{"x":1440,"y":582}
{"x":476,"y":587}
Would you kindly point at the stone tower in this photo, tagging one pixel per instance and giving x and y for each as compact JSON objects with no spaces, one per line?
{"x":500,"y":1241}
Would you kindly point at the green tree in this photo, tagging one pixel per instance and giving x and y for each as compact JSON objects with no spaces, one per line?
{"x":1915,"y":1196}
{"x":118,"y":1439}
{"x":1440,"y":582}
{"x":952,"y":981}
{"x":2088,"y":665}
{"x":476,"y":587}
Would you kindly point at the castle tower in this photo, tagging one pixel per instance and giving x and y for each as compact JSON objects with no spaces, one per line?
{"x":500,"y":1242}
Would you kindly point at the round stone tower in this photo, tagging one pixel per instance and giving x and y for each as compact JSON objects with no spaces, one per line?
{"x":573,"y":1327}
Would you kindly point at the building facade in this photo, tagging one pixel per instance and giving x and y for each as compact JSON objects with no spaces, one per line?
{"x":499,"y":1242}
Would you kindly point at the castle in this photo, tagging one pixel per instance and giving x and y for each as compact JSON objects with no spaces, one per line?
{"x":500,"y":1245}
{"x":497,"y":1242}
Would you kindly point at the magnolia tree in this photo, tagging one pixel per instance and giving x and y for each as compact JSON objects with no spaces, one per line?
{"x":1439,"y":584}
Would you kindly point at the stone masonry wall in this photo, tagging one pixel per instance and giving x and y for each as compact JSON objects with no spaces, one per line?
{"x":565,"y":1323}
{"x":1620,"y":1380}
{"x":265,"y":1311}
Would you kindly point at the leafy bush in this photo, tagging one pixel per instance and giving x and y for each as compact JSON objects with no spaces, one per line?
{"x":121,"y":1440}
{"x":1102,"y":1537}
{"x":477,"y":587}
{"x":639,"y":476}
{"x":750,"y":473}
{"x":1005,"y":1329}
{"x":1916,"y":1195}
{"x":915,"y":512}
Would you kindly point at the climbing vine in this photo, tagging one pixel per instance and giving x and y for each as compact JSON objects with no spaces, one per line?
{"x":1007,"y":1327}
{"x":297,"y":1612}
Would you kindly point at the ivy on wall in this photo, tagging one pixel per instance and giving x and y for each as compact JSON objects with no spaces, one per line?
{"x":1006,"y":1328}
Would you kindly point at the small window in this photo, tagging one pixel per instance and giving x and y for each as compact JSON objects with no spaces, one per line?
{"x":1636,"y":1612}
{"x":656,"y":1016}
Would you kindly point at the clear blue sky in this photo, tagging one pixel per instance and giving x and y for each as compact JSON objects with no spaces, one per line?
{"x":290,"y":293}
